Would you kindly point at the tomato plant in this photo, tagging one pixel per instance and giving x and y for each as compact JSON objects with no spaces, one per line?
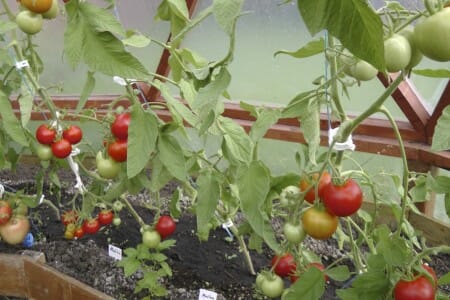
{"x":319,"y":223}
{"x":309,"y":185}
{"x":284,"y":265}
{"x":73,"y":134}
{"x":272,"y":286}
{"x":165,"y":226}
{"x":118,"y":150}
{"x":419,"y":288}
{"x":61,"y":148}
{"x":45,"y":135}
{"x":105,"y":217}
{"x":5,"y":212}
{"x":151,"y":238}
{"x":29,"y":22}
{"x":343,"y":199}
{"x":119,"y":128}
{"x":432,"y":36}
{"x":15,"y":230}
{"x":69,"y":217}
{"x":91,"y":226}
{"x":37,"y":6}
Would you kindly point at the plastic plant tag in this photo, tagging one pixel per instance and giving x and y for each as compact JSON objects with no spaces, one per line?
{"x":22,"y":64}
{"x":115,"y":252}
{"x":207,"y":295}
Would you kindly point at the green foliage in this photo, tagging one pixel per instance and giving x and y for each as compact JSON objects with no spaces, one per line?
{"x":441,"y":136}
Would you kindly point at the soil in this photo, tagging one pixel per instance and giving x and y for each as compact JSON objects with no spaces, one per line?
{"x":216,"y":265}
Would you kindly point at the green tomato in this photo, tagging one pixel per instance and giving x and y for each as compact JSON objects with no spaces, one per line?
{"x":44,"y":152}
{"x":53,"y":11}
{"x":432,"y":36}
{"x":107,"y":167}
{"x":116,"y":221}
{"x":363,"y":71}
{"x":117,"y":206}
{"x":29,"y":22}
{"x":397,"y":53}
{"x":272,"y":286}
{"x":151,"y":239}
{"x":416,"y":54}
{"x":294,"y":233}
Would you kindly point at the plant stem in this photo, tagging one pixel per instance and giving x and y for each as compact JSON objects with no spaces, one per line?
{"x":203,"y":15}
{"x":405,"y":167}
{"x":244,"y":249}
{"x":334,"y":83}
{"x":132,"y":211}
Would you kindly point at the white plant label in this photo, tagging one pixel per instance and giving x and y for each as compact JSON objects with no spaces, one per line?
{"x":207,"y":295}
{"x":115,"y":252}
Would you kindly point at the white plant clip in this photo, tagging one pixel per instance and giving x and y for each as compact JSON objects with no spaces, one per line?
{"x":22,"y":64}
{"x":347,"y":145}
{"x":226,"y":225}
{"x":76,"y":170}
{"x":121,"y":81}
{"x":2,"y":190}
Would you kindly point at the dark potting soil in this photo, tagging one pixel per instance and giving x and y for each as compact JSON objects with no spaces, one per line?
{"x":216,"y":265}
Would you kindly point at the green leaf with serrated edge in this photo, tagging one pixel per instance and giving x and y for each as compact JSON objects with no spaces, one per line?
{"x":176,"y":107}
{"x":296,"y":106}
{"x":179,"y":8}
{"x":187,"y":91}
{"x":310,"y":49}
{"x":129,"y":265}
{"x":207,"y":200}
{"x":10,"y":123}
{"x":160,"y":175}
{"x":142,"y":135}
{"x":99,"y":19}
{"x":447,"y":204}
{"x":418,"y":192}
{"x":136,"y":39}
{"x":310,"y":125}
{"x":435,"y":73}
{"x":6,"y":26}
{"x":372,"y":283}
{"x":25,"y":100}
{"x":353,"y":22}
{"x":439,"y":184}
{"x":253,"y":188}
{"x":310,"y":287}
{"x":226,"y":12}
{"x":339,"y":273}
{"x":441,"y":136}
{"x":265,"y":120}
{"x":88,"y":87}
{"x":208,"y":96}
{"x":172,"y":157}
{"x":192,"y":57}
{"x":394,"y":250}
{"x":348,"y":294}
{"x":236,"y":145}
{"x":174,"y":204}
{"x":444,"y":279}
{"x":115,"y":190}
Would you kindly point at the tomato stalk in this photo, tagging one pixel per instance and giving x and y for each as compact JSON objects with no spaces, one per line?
{"x":132,"y":211}
{"x":190,"y":25}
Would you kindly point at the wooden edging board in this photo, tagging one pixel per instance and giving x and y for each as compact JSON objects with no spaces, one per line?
{"x":27,"y":277}
{"x":435,"y":231}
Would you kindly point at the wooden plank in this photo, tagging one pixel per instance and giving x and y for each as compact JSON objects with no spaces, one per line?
{"x":435,"y":231}
{"x":13,"y":284}
{"x":45,"y":282}
{"x":444,"y":101}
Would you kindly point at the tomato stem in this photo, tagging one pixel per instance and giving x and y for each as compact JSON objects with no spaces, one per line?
{"x":132,"y":210}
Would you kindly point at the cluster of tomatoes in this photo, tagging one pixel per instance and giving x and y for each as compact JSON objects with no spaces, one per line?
{"x":109,"y":166}
{"x":30,"y":18}
{"x":76,"y":228}
{"x":164,"y":227}
{"x":58,"y":146}
{"x":419,"y":287}
{"x":271,"y":284}
{"x":14,"y":224}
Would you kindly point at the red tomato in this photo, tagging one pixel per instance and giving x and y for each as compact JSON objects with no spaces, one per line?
{"x":118,"y":150}
{"x":343,"y":200}
{"x":91,"y":226}
{"x":105,"y":217}
{"x":73,"y":134}
{"x":165,"y":226}
{"x":306,"y":183}
{"x":61,"y":148}
{"x":69,"y":217}
{"x":419,"y":288}
{"x":119,"y":128}
{"x":432,"y":274}
{"x":45,"y":135}
{"x":285,"y":265}
{"x":79,"y":232}
{"x":5,"y":212}
{"x":15,"y":230}
{"x":319,"y":224}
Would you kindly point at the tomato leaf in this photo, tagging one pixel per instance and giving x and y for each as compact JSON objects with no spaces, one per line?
{"x":136,"y":39}
{"x":142,"y":135}
{"x":441,"y":136}
{"x":339,"y":273}
{"x":444,"y":279}
{"x":25,"y":100}
{"x":160,"y":174}
{"x":207,"y":199}
{"x":88,"y":87}
{"x":254,"y":186}
{"x":226,"y":13}
{"x":310,"y":49}
{"x":10,"y":123}
{"x":172,"y":157}
{"x":266,"y":118}
{"x":6,"y":26}
{"x":310,"y":286}
{"x":353,"y":22}
{"x":237,"y":147}
{"x":436,"y":73}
